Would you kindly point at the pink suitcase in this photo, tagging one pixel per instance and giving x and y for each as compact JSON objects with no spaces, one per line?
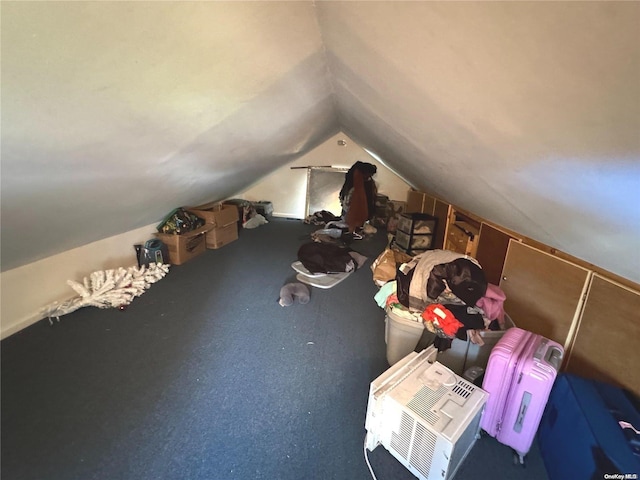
{"x":521,"y":370}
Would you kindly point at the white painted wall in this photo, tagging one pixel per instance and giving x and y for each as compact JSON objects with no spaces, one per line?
{"x":287,"y":188}
{"x":27,"y":289}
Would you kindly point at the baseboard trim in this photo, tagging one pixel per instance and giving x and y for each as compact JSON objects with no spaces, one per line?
{"x":20,"y":325}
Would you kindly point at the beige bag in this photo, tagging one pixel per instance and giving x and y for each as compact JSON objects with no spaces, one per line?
{"x":384,"y":267}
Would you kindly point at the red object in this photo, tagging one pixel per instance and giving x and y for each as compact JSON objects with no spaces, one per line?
{"x":442,"y":319}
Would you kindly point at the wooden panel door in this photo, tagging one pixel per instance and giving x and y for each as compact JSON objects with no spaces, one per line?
{"x":544,"y":293}
{"x":605,"y":345}
{"x":441,"y":212}
{"x":420,"y":202}
{"x":492,"y":251}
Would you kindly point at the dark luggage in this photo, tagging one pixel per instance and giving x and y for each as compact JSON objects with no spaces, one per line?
{"x":581,"y":435}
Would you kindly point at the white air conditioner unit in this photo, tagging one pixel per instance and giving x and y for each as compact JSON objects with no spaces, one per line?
{"x":425,"y":415}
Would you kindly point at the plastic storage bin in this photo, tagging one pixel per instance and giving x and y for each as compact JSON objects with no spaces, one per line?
{"x":411,"y":242}
{"x":415,"y":232}
{"x":401,"y":336}
{"x":465,"y":354}
{"x":417,"y":223}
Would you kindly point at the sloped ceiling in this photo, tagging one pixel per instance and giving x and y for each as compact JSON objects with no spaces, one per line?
{"x":526,"y":113}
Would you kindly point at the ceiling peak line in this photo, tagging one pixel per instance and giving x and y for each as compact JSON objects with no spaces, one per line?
{"x":325,"y":57}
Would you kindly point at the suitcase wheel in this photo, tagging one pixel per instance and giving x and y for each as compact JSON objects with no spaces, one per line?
{"x":518,"y":459}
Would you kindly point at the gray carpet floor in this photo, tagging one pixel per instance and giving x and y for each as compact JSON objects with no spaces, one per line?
{"x":206,"y":376}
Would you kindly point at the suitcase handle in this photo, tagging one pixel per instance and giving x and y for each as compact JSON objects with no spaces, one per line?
{"x":554,"y":357}
{"x":524,"y":405}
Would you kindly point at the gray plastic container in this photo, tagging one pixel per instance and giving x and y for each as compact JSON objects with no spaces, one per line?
{"x":465,"y":354}
{"x":401,"y":336}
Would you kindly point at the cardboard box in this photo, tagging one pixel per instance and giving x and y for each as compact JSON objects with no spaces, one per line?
{"x":216,"y":213}
{"x":221,"y":236}
{"x":183,"y":248}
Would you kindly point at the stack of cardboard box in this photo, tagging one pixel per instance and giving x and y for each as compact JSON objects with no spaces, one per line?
{"x":222,"y":220}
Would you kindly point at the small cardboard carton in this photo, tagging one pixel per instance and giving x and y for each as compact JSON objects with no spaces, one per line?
{"x":221,"y":236}
{"x":183,"y":248}
{"x":216,"y":213}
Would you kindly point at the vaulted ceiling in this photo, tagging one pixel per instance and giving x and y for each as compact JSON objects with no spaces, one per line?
{"x":526,"y":113}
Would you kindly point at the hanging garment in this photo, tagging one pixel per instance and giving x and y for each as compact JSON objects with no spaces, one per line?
{"x":358,"y":195}
{"x":368,"y":170}
{"x":358,"y":211}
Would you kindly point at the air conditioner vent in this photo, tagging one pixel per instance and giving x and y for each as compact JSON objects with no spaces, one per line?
{"x":463,"y":389}
{"x":423,"y":402}
{"x":401,"y":440}
{"x":424,"y":445}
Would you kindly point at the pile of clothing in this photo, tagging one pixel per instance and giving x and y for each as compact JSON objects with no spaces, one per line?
{"x":448,"y":292}
{"x":327,"y":258}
